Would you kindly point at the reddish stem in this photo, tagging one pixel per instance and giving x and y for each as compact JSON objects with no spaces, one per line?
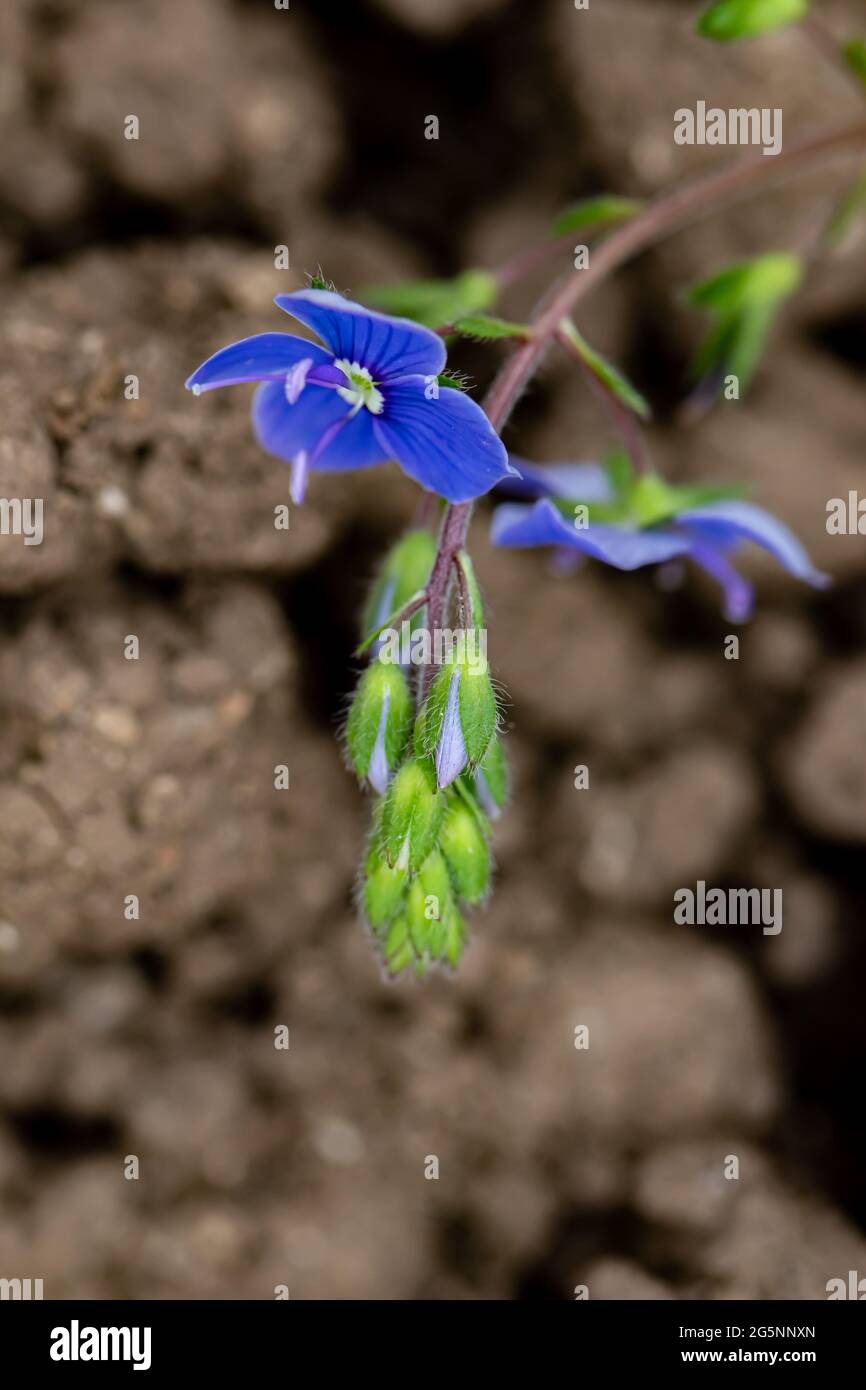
{"x":669,"y":212}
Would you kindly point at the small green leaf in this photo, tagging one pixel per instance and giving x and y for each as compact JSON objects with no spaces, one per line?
{"x":855,"y":57}
{"x":475,"y":616}
{"x":610,"y":377}
{"x":606,"y":207}
{"x":769,"y":277}
{"x":486,"y":327}
{"x":744,"y":19}
{"x":852,"y":206}
{"x":743,"y":301}
{"x":435,"y":302}
{"x":653,"y":499}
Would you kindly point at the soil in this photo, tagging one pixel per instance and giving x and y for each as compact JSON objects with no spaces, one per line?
{"x":164,"y":908}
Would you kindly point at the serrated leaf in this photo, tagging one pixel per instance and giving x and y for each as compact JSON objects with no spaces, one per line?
{"x":745,"y":19}
{"x":487,"y":327}
{"x":606,"y":207}
{"x":610,"y":376}
{"x":435,"y":303}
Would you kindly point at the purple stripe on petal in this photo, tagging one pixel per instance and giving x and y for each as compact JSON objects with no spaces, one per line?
{"x":451,"y":755}
{"x":387,"y":346}
{"x":265,"y":357}
{"x":287,"y":430}
{"x":446,"y":443}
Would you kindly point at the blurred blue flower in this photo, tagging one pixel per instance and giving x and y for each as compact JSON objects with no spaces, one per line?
{"x":369,"y":395}
{"x":707,"y":533}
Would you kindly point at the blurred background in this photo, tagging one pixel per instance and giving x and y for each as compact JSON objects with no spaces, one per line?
{"x":155,"y":1037}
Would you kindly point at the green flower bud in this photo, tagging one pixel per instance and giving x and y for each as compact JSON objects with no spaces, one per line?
{"x":405,"y":570}
{"x":398,"y":948}
{"x":384,"y":887}
{"x":379,"y":722}
{"x":466,"y":850}
{"x":459,"y":716}
{"x":491,"y":779}
{"x":412,"y":815}
{"x":434,"y":885}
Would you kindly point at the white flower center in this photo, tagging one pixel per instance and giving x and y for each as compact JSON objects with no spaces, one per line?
{"x":362,"y":390}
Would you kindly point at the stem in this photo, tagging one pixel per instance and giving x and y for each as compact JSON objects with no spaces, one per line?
{"x":665,"y":214}
{"x":624,"y":421}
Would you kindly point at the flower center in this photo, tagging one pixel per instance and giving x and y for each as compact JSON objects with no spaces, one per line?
{"x":362,"y":390}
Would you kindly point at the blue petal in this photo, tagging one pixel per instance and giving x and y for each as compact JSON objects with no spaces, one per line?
{"x":447,"y":444}
{"x":388,"y":347}
{"x":739,"y":596}
{"x":542,"y":524}
{"x":286,"y":430}
{"x":378,"y":771}
{"x":577,"y":482}
{"x":263,"y":357}
{"x":725,"y":524}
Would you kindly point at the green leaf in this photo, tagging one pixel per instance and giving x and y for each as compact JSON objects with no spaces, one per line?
{"x":769,"y":277}
{"x":475,"y":616}
{"x":743,"y":301}
{"x":606,"y":207}
{"x":744,"y":19}
{"x":610,"y":377}
{"x":435,"y":302}
{"x":653,"y":499}
{"x":487,"y":327}
{"x":852,"y":205}
{"x":855,"y":57}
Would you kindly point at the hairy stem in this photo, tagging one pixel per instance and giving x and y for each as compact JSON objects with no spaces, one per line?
{"x":665,"y":214}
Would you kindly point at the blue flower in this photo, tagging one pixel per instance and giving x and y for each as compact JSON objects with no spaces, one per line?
{"x":705,"y":531}
{"x":371,"y":394}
